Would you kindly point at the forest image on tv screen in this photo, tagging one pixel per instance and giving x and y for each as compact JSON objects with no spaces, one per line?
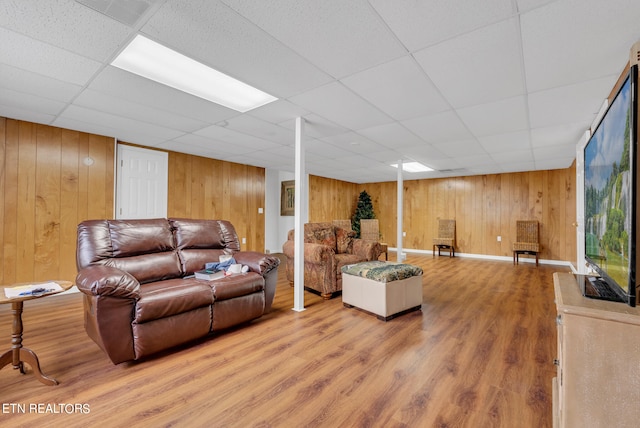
{"x":608,"y":191}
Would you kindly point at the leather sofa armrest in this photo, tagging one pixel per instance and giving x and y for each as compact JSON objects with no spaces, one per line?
{"x":257,"y":262}
{"x":367,"y":250}
{"x":99,"y":280}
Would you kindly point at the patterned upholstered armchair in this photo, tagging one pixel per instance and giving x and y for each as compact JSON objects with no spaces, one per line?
{"x":326,"y":249}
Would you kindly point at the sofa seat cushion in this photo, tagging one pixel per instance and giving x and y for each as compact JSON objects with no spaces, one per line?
{"x":237,"y":285}
{"x":175,"y":296}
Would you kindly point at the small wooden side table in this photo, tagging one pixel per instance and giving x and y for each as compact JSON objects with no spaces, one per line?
{"x":18,"y":355}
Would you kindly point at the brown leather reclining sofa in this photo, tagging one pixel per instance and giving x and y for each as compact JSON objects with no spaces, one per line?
{"x":137,"y":300}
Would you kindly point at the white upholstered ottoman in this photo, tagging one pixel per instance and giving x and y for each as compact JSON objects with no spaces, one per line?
{"x":384,"y":289}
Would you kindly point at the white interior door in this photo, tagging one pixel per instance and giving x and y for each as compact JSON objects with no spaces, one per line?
{"x":141,"y":190}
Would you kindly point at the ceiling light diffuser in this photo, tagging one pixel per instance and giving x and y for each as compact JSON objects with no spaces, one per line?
{"x":413,"y":167}
{"x":154,"y":61}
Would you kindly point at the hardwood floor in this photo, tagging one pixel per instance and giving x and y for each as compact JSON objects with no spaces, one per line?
{"x":479,"y":354}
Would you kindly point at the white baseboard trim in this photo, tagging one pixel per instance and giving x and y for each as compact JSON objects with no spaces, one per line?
{"x":490,"y":257}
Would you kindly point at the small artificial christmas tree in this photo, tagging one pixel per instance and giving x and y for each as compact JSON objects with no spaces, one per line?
{"x":364,"y":210}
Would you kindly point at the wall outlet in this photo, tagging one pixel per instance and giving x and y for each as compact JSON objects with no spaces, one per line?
{"x":404,"y":233}
{"x":244,"y":240}
{"x":499,"y":238}
{"x":260,"y":210}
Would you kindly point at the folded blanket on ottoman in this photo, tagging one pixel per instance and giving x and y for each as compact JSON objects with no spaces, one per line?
{"x":382,"y":271}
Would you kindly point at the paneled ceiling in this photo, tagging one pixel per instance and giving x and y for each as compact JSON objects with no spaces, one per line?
{"x":464,"y":86}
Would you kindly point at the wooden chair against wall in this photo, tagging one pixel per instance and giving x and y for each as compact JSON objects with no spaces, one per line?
{"x":446,"y":239}
{"x":370,"y":231}
{"x":527,"y":239}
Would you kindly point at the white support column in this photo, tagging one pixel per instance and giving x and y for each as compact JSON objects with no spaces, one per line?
{"x":400,"y":204}
{"x":301,"y":208}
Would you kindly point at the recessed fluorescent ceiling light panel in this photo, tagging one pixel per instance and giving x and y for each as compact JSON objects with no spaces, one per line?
{"x":413,"y":167}
{"x":153,"y":61}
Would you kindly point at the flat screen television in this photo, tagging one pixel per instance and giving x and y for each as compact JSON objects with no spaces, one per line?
{"x":610,"y":199}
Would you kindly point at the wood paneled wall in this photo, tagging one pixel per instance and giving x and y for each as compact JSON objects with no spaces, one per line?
{"x":331,"y":199}
{"x":45,"y":191}
{"x":208,"y":188}
{"x":484,"y":207}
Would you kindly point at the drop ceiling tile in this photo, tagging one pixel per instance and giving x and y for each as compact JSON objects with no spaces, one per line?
{"x":425,"y":153}
{"x":506,"y":143}
{"x":259,"y":128}
{"x":479,"y":67}
{"x":45,"y":59}
{"x":28,"y":102}
{"x":354,"y":142}
{"x":339,"y":105}
{"x":127,"y":86}
{"x":315,"y":126}
{"x":316,"y":149}
{"x":232,"y":138}
{"x":439,"y":128}
{"x":519,"y":167}
{"x":559,"y":151}
{"x":419,"y":24}
{"x":386,"y":156}
{"x":278,"y":111}
{"x":65,"y":24}
{"x":37,"y":84}
{"x":323,"y":32}
{"x":460,"y":148}
{"x":577,"y":40}
{"x":121,"y":127}
{"x":569,"y":104}
{"x":479,"y":160}
{"x":502,"y":116}
{"x":513,"y":156}
{"x":527,"y":5}
{"x":400,"y":88}
{"x":13,"y":112}
{"x":392,"y":135}
{"x":223,"y":39}
{"x":447,"y":164}
{"x":562,"y":134}
{"x":100,"y":101}
{"x":557,"y":163}
{"x":106,"y":129}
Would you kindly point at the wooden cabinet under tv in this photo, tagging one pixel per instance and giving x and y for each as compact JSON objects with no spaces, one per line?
{"x":598,"y":381}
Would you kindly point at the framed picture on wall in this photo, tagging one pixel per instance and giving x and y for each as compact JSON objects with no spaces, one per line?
{"x":287,"y":197}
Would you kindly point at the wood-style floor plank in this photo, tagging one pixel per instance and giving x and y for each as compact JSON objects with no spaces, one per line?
{"x":478,"y":354}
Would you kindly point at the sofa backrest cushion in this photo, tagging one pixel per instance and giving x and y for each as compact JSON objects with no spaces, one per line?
{"x":203,"y":241}
{"x":344,"y":240}
{"x":320,"y":233}
{"x":144,"y":248}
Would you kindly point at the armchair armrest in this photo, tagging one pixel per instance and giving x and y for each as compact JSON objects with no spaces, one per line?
{"x":257,"y":262}
{"x":313,"y":253}
{"x":368,"y":250}
{"x":100,"y":280}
